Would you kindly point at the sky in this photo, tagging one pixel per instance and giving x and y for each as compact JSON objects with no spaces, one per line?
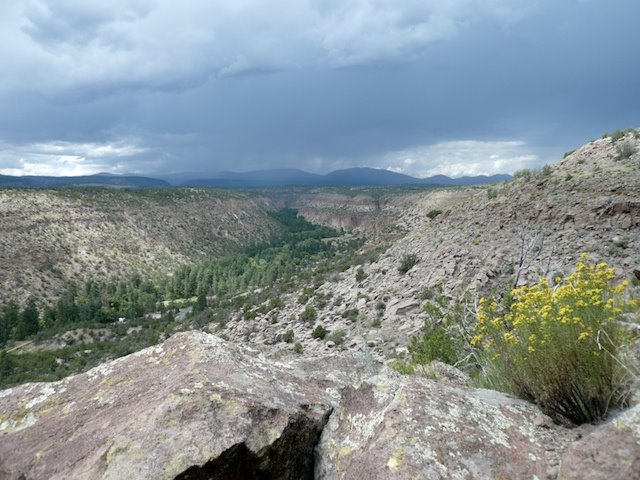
{"x":422,"y":87}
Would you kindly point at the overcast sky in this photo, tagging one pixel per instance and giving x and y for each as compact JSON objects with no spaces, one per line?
{"x":417,"y":86}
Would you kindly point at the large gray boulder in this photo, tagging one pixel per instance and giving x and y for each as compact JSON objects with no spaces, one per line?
{"x":193,"y":407}
{"x":611,"y":451}
{"x":411,"y":427}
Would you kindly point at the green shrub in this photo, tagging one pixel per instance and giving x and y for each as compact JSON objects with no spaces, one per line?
{"x":360,"y":275}
{"x":560,"y":346}
{"x":617,"y":135}
{"x":407,"y":262}
{"x":426,"y":293}
{"x":546,"y":170}
{"x":403,"y":368}
{"x":351,"y":314}
{"x":298,"y":348}
{"x":307,"y":293}
{"x":566,"y":154}
{"x":248,"y":313}
{"x":433,"y":213}
{"x":287,"y":337}
{"x":432,"y":311}
{"x":434,"y":344}
{"x":322,"y":300}
{"x":319,"y":332}
{"x":338,"y":337}
{"x":309,"y":314}
{"x":621,"y":243}
{"x":275,"y":302}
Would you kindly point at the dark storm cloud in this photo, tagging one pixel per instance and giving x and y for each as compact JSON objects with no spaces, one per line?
{"x":463,"y":86}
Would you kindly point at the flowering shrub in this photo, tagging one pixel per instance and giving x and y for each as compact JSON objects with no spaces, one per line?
{"x":559,"y":346}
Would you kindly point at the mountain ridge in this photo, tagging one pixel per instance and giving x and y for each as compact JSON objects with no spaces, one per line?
{"x":356,"y":176}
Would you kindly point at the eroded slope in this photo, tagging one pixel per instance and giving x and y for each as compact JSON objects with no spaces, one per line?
{"x":48,"y":238}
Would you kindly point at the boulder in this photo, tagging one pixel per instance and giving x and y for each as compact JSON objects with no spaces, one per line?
{"x":404,"y":307}
{"x":411,"y":427}
{"x":610,"y":451}
{"x":192,"y":407}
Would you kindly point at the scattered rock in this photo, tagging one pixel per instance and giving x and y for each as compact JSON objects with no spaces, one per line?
{"x":542,"y":421}
{"x":405,"y":307}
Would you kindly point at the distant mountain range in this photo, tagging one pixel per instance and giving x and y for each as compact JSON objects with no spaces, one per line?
{"x":348,"y":177}
{"x":254,"y":179}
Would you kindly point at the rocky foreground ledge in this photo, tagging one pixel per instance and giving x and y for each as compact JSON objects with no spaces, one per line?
{"x":197,"y":407}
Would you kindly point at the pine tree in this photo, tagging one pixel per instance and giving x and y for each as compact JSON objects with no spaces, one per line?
{"x":28,"y":321}
{"x":201,"y":302}
{"x":6,"y":365}
{"x":10,"y":318}
{"x":4,"y":330}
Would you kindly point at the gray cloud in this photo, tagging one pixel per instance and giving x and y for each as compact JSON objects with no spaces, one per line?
{"x":159,"y":43}
{"x":325,"y":84}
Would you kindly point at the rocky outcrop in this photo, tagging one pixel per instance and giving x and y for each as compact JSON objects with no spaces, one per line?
{"x":611,"y":451}
{"x":410,"y":427}
{"x":359,"y":212}
{"x":193,"y":407}
{"x":198,"y":407}
{"x":373,"y":211}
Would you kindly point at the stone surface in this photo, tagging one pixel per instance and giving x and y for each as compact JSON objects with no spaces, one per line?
{"x":611,"y":451}
{"x":198,"y":407}
{"x":410,"y":427}
{"x":192,"y":405}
